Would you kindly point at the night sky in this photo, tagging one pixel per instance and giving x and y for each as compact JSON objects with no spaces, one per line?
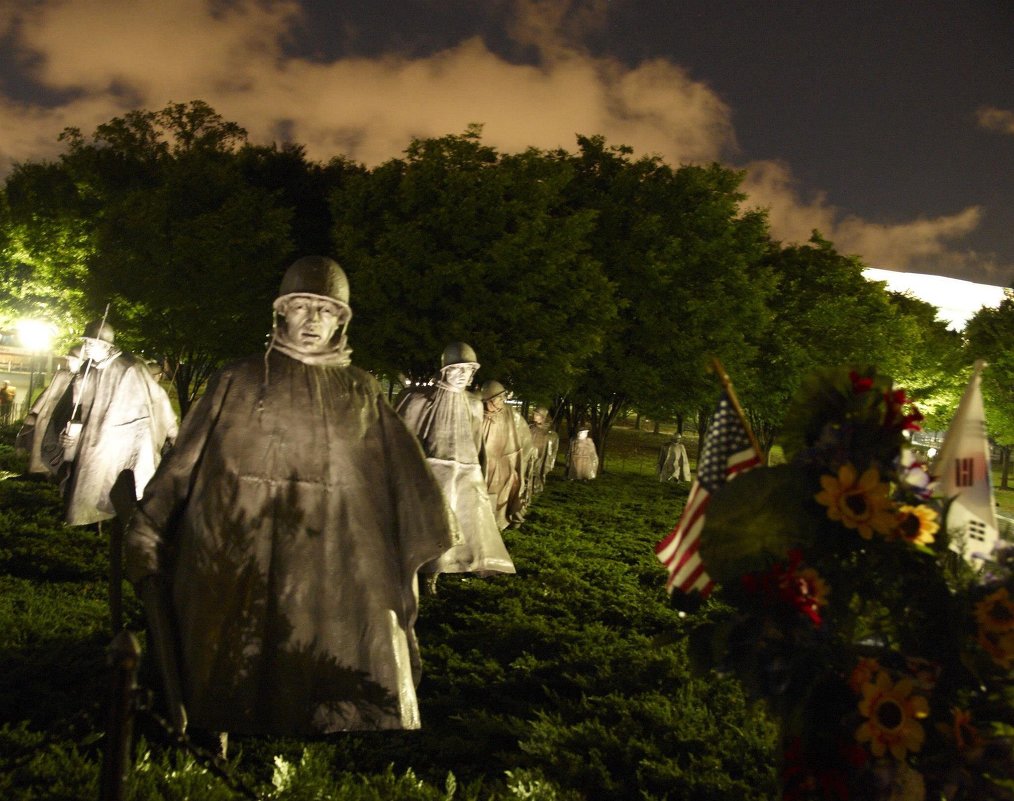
{"x":888,"y":126}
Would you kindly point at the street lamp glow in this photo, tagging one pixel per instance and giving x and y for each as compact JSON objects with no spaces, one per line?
{"x":36,"y":335}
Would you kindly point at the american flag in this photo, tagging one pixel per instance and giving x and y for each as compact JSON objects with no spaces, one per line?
{"x":727,"y":452}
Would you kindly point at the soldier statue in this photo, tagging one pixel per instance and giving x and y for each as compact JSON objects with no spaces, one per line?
{"x":502,"y":456}
{"x":112,"y":417}
{"x":673,"y":463}
{"x":547,"y":444}
{"x":280,"y":541}
{"x":582,"y":458}
{"x":447,"y":419}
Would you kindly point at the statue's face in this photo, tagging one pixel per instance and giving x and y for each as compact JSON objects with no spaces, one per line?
{"x":496,"y":403}
{"x":311,"y":323}
{"x":458,"y":376}
{"x":95,"y":349}
{"x":538,"y":417}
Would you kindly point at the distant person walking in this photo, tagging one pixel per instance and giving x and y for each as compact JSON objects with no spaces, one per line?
{"x":8,"y":394}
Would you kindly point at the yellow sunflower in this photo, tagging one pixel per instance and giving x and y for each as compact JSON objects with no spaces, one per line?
{"x":916,"y":524}
{"x":892,"y":715}
{"x":995,"y":613}
{"x":859,"y":502}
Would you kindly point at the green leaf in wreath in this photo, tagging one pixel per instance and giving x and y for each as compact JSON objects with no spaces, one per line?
{"x":757,"y":516}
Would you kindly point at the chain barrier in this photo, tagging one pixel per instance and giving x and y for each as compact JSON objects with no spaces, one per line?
{"x":215,"y":764}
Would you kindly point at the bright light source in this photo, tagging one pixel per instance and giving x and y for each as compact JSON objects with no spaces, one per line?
{"x":36,"y":335}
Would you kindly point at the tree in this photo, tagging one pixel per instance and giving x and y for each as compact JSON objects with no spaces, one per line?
{"x":167,"y":231}
{"x":823,"y":313}
{"x":301,"y":185}
{"x":928,"y":359}
{"x":459,"y":242}
{"x":686,"y":262}
{"x":41,"y":249}
{"x":989,"y":334}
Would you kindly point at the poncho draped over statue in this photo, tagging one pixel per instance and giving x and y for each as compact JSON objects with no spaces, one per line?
{"x":291,"y":519}
{"x":448,"y":423}
{"x":33,"y":430}
{"x":547,"y":444}
{"x":582,"y":460}
{"x":502,"y":459}
{"x":127,"y":421}
{"x":673,"y":462}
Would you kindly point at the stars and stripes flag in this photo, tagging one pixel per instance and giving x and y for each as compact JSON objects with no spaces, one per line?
{"x":728,"y":450}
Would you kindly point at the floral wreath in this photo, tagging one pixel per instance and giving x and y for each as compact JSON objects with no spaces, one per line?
{"x":885,"y":659}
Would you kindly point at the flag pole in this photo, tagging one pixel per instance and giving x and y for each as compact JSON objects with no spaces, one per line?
{"x":723,"y":376}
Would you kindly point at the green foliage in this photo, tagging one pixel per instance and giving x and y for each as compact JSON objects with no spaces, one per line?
{"x":686,"y":262}
{"x":989,"y":334}
{"x":459,"y":242}
{"x":823,"y":312}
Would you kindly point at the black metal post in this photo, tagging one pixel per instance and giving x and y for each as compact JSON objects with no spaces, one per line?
{"x":124,"y":657}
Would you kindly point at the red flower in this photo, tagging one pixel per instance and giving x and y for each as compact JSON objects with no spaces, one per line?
{"x":894,"y":416}
{"x":860,"y":383}
{"x":800,"y":588}
{"x":802,"y":778}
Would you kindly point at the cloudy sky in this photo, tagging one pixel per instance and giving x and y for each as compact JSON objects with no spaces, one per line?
{"x":888,"y":126}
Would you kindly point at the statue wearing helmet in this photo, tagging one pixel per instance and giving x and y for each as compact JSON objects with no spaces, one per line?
{"x":673,"y":462}
{"x":111,"y":417}
{"x":447,"y":419}
{"x":289,"y":524}
{"x":582,"y":458}
{"x":547,"y":444}
{"x":502,"y":456}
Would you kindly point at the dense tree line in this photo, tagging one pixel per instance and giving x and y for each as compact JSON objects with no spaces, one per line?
{"x":592,"y":280}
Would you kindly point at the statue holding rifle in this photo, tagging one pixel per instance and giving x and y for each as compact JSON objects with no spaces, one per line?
{"x":280,"y":541}
{"x":112,"y":416}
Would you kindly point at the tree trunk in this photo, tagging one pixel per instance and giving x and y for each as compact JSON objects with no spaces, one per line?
{"x":189,"y":378}
{"x":637,"y":422}
{"x":602,"y":416}
{"x":1005,"y":472}
{"x":654,"y":428}
{"x":702,"y":427}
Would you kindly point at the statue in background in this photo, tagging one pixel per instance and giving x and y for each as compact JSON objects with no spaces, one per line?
{"x":447,"y":419}
{"x":501,"y":456}
{"x":582,"y":458}
{"x":284,"y":532}
{"x":547,"y":444}
{"x":36,"y":421}
{"x":112,"y":416}
{"x":673,"y":462}
{"x":529,"y":457}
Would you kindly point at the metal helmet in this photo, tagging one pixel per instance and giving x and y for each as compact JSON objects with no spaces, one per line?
{"x":315,"y":277}
{"x":101,"y":330}
{"x":458,"y":353}
{"x":490,"y":389}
